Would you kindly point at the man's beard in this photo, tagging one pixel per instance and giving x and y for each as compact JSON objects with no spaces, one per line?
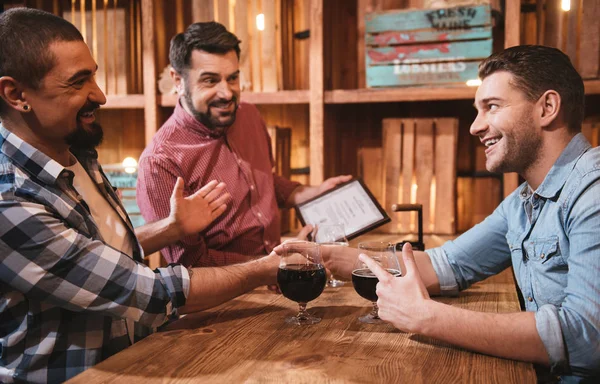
{"x":207,"y":119}
{"x":85,"y":138}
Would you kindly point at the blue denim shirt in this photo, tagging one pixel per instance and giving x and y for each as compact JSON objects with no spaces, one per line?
{"x":551,"y":237}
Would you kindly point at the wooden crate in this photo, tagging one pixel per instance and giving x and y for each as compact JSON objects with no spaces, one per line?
{"x":591,"y":130}
{"x":419,"y":167}
{"x":424,"y":47}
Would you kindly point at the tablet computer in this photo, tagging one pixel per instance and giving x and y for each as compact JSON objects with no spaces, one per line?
{"x":350,"y":203}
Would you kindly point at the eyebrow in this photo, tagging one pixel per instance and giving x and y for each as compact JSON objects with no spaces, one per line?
{"x":218,"y":74}
{"x":82,"y":73}
{"x":486,"y":101}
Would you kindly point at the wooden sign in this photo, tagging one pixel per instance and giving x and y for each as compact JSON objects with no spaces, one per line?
{"x":424,"y":47}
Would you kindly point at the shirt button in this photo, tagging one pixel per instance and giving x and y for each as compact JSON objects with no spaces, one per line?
{"x":240,"y":161}
{"x":529,"y":298}
{"x":267,"y":242}
{"x":542,"y":256}
{"x":252,"y":187}
{"x":536,"y":196}
{"x":259,"y":214}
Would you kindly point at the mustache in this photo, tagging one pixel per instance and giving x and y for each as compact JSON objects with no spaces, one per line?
{"x":89,"y":107}
{"x":223,"y":102}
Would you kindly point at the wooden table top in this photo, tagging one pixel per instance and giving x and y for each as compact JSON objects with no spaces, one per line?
{"x":246,"y":340}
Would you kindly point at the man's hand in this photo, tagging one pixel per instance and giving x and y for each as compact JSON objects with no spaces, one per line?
{"x":332,"y":182}
{"x":403,"y":301}
{"x":304,"y":232}
{"x":192,"y":214}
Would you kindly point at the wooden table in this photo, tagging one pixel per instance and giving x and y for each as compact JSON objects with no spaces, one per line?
{"x":246,"y":340}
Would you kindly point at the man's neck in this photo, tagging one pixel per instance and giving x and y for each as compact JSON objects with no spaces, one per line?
{"x":56,"y":150}
{"x":552,"y":147}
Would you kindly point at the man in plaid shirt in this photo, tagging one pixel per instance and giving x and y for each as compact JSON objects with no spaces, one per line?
{"x":71,"y":272}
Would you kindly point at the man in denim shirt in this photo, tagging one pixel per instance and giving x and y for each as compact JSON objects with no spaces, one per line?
{"x":530,"y":109}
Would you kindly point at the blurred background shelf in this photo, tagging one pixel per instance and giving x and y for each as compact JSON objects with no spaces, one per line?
{"x":278,"y":97}
{"x":125,"y":102}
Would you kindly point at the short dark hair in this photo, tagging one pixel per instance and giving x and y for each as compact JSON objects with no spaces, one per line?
{"x":537,"y":69}
{"x":25,"y":35}
{"x":210,"y":37}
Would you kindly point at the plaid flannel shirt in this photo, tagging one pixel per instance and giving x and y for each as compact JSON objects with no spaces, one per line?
{"x":65,"y":293}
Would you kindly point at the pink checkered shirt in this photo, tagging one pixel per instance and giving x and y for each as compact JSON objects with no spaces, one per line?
{"x":242,"y":159}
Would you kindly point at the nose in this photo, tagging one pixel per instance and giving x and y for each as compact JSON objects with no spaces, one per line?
{"x":96,"y":95}
{"x":479,"y":125}
{"x":224,"y":91}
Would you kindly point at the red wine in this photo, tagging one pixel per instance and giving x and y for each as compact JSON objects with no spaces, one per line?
{"x":301,"y":283}
{"x":365,"y":282}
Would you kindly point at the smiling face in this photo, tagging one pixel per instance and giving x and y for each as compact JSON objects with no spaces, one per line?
{"x":506,"y":125}
{"x":67,"y":97}
{"x":211,"y":88}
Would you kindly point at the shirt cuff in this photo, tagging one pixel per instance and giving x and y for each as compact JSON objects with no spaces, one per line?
{"x":185,"y":281}
{"x":548,"y":326}
{"x":444,"y":272}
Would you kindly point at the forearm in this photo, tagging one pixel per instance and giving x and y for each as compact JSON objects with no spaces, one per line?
{"x":426,"y":272}
{"x":155,"y":236}
{"x":512,"y":335}
{"x":212,"y":286}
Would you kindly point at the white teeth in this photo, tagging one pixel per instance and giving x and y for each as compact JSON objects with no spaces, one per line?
{"x":489,"y":143}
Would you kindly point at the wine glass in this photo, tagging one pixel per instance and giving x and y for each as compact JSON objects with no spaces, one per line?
{"x":328,"y":235}
{"x":365,"y":281}
{"x":301,"y":277}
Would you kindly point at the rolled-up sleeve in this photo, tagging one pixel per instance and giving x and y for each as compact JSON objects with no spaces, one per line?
{"x":47,"y":260}
{"x":444,"y":272}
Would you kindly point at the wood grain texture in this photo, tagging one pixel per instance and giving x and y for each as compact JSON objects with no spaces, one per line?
{"x":317,"y":112}
{"x":380,"y":95}
{"x":202,"y":10}
{"x":407,"y":172}
{"x":246,"y":340}
{"x":424,"y":170}
{"x":242,"y":32}
{"x":268,"y":56}
{"x":589,"y":63}
{"x":151,"y":108}
{"x":392,"y":168}
{"x":255,"y":46}
{"x":446,"y":135}
{"x":370,"y":170}
{"x":512,"y":17}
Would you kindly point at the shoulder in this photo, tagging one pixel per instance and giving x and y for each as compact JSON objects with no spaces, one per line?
{"x":247,"y":111}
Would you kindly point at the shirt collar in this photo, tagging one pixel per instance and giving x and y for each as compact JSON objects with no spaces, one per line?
{"x":186,"y":120}
{"x":562,"y":168}
{"x":29,"y":158}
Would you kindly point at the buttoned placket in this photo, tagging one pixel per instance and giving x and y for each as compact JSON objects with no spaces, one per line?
{"x":253,"y":193}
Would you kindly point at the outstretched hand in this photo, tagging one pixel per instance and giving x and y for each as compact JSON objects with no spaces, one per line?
{"x":403,"y":301}
{"x":332,"y":182}
{"x":194,"y":213}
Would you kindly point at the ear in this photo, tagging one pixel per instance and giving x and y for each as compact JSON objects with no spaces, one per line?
{"x":550,"y":107}
{"x":12,"y":93}
{"x":177,"y":79}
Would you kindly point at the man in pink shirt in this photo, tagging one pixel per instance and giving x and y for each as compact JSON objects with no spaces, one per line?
{"x":213,"y":136}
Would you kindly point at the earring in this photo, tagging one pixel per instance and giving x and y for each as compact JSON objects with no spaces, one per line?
{"x":26,"y":108}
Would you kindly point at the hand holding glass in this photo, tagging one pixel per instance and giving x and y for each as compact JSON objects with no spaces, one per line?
{"x":365,"y":281}
{"x":301,"y":277}
{"x":331,"y":235}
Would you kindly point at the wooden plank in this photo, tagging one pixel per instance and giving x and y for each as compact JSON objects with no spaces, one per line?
{"x":443,"y":18}
{"x":302,"y":22}
{"x":407,"y":172}
{"x":268,"y":48}
{"x":242,"y":32}
{"x":424,"y":166}
{"x":589,"y":65}
{"x":221,"y":12}
{"x":317,"y":109}
{"x":256,"y":41}
{"x":370,"y":170}
{"x":417,"y":53}
{"x":553,"y":33}
{"x":385,"y":95}
{"x":464,"y":203}
{"x":202,"y":10}
{"x":446,"y":134}
{"x":425,"y":36}
{"x":572,"y":30}
{"x":427,"y":73}
{"x":512,"y":19}
{"x":151,"y":109}
{"x":590,"y":130}
{"x":391,"y":171}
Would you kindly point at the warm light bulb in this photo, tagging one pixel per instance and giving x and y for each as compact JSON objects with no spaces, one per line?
{"x":130,"y":165}
{"x":565,"y":5}
{"x":474,"y":83}
{"x":260,"y":22}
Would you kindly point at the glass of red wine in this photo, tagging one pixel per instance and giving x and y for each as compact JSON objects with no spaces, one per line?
{"x":301,"y":277}
{"x":365,"y":281}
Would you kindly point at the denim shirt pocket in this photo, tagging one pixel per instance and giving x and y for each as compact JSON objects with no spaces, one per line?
{"x":546,"y":262}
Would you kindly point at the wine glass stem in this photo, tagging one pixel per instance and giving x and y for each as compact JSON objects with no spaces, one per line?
{"x":302,"y":314}
{"x":375,"y":311}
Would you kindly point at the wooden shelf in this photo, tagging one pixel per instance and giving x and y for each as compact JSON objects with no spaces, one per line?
{"x":279,"y":97}
{"x":592,"y":87}
{"x":124,"y":102}
{"x":385,"y":95}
